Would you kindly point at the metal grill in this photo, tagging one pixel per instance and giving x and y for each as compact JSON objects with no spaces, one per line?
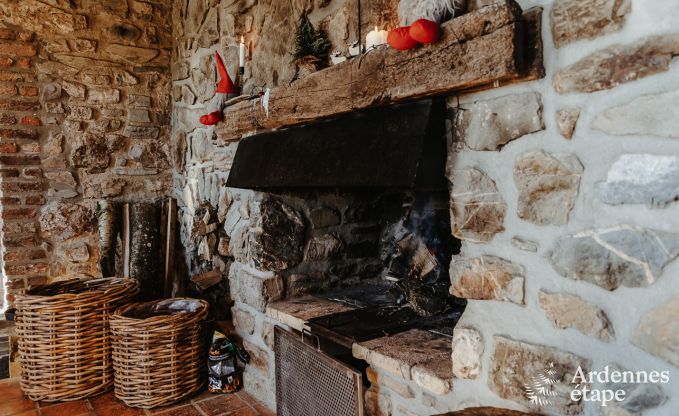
{"x":311,"y":383}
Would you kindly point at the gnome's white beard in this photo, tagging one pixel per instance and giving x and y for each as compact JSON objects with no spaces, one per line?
{"x":411,"y":10}
{"x":217,"y":102}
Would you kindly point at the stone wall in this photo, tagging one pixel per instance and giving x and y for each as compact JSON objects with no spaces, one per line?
{"x":563,"y":191}
{"x":84,"y":114}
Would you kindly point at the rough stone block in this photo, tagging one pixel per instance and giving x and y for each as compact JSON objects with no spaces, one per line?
{"x":395,"y":355}
{"x":639,"y":397}
{"x":243,"y":321}
{"x":259,"y":358}
{"x":490,"y":124}
{"x":548,"y":184}
{"x":658,"y":332}
{"x":376,"y":403}
{"x":566,"y":120}
{"x":641,"y":179}
{"x":618,"y":256}
{"x":570,"y":311}
{"x":647,"y":115}
{"x":467,"y":352}
{"x":586,"y":19}
{"x":477,"y":207}
{"x":487,"y":278}
{"x":397,"y":387}
{"x":618,"y":64}
{"x":254,"y":290}
{"x":515,"y":364}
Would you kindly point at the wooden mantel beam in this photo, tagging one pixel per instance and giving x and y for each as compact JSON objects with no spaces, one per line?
{"x":477,"y":50}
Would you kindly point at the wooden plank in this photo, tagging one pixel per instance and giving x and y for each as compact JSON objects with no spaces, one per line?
{"x":478,"y":49}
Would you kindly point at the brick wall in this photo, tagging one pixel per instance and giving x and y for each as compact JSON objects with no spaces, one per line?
{"x":22,"y":184}
{"x":84,"y":117}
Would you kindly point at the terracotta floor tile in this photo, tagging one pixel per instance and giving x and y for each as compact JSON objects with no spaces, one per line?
{"x":204,"y":395}
{"x":165,"y":409}
{"x":107,"y":404}
{"x":76,"y":408}
{"x":244,"y":411}
{"x":27,"y":413}
{"x":186,"y":410}
{"x":263,"y":410}
{"x":12,"y":406}
{"x":219,"y":405}
{"x":10,"y":389}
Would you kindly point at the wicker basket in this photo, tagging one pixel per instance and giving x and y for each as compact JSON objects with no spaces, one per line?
{"x":159,"y":351}
{"x":64,"y":336}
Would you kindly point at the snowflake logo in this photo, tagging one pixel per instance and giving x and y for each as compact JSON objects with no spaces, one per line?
{"x":540,"y":390}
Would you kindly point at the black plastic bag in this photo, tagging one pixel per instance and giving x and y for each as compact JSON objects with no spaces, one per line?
{"x":223,"y":373}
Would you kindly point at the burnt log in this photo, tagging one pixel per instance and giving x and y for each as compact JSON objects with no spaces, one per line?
{"x":484,"y":48}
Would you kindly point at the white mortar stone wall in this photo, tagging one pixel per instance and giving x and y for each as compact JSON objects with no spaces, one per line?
{"x":597,"y":151}
{"x":202,"y":163}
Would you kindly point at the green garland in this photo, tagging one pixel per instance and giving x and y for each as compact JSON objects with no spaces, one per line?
{"x":311,"y":42}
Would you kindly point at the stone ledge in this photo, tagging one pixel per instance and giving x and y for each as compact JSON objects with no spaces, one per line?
{"x":411,"y":355}
{"x":296,"y":312}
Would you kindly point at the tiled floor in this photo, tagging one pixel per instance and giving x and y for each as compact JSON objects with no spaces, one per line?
{"x":14,"y":403}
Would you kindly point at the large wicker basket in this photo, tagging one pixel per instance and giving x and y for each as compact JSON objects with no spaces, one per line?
{"x":64,"y":336}
{"x":159,"y":351}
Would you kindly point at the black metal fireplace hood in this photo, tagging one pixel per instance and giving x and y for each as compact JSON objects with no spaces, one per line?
{"x":401,"y":146}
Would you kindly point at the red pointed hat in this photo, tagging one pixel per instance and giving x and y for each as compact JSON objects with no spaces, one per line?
{"x":225,"y":85}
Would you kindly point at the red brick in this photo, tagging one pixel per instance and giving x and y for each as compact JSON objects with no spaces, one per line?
{"x":17,"y":105}
{"x":30,"y":121}
{"x":18,"y":213}
{"x":36,"y":200}
{"x":17,"y":49}
{"x":7,"y":76}
{"x":6,"y":61}
{"x":8,"y":89}
{"x":16,"y":284}
{"x":20,"y":160}
{"x":18,"y":134}
{"x":36,"y":280}
{"x":28,"y":91}
{"x":7,"y":34}
{"x":8,"y":147}
{"x":29,"y":241}
{"x":21,"y":186}
{"x":6,"y":118}
{"x":22,"y":255}
{"x":24,"y":269}
{"x":24,"y":63}
{"x":5,"y":201}
{"x":9,"y":173}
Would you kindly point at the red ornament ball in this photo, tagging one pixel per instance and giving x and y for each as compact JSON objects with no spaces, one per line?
{"x":400,"y":39}
{"x":424,"y":31}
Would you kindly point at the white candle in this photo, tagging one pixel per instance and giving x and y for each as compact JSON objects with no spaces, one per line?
{"x":375,"y":38}
{"x":241,"y":53}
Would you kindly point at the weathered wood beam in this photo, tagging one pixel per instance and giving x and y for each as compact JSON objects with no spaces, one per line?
{"x":477,"y":50}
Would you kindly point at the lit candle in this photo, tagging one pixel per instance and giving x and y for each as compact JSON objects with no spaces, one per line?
{"x":241,"y":55}
{"x":376,"y":38}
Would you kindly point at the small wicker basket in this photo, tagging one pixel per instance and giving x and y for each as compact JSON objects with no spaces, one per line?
{"x":64,"y":336}
{"x":159,"y":351}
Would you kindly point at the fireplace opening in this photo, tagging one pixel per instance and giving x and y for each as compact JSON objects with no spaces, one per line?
{"x":354,"y":212}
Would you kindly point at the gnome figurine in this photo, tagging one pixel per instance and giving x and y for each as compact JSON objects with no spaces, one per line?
{"x":225,"y":90}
